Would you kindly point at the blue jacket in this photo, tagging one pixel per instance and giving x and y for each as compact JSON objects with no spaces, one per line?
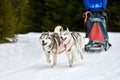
{"x":95,"y":5}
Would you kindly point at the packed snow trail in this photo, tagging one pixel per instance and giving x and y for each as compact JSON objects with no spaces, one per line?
{"x":25,"y":60}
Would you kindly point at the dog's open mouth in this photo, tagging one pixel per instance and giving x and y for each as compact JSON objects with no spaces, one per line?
{"x":44,"y":43}
{"x":64,"y":39}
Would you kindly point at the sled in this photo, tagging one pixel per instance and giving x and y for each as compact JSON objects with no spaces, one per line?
{"x":95,"y":23}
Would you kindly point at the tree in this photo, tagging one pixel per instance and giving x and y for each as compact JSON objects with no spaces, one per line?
{"x":7,"y":20}
{"x":113,"y":15}
{"x":21,"y":10}
{"x":44,"y":15}
{"x":12,"y":18}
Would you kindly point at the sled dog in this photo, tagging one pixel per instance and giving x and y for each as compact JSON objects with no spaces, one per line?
{"x":72,"y":42}
{"x":50,"y":44}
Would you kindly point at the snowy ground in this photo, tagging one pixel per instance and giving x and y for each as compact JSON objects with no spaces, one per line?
{"x":25,"y":60}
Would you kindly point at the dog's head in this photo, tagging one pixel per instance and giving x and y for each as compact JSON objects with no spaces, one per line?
{"x":58,"y":29}
{"x":45,"y":39}
{"x":65,"y":35}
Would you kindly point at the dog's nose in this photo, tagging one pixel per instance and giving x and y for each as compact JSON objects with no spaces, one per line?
{"x":43,"y":41}
{"x":61,"y":37}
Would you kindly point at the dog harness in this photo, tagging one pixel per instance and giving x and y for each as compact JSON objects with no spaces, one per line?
{"x":65,"y":45}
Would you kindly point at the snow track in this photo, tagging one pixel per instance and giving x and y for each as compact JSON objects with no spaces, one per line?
{"x":25,"y":60}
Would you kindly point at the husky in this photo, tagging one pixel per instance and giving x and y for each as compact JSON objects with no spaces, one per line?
{"x":50,"y":44}
{"x":72,"y":42}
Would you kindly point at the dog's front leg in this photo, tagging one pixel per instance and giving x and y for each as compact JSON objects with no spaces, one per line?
{"x":54,"y":60}
{"x":48,"y":57}
{"x":69,"y":60}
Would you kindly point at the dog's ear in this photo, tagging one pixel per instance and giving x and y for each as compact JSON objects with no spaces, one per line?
{"x":67,"y":29}
{"x":41,"y":35}
{"x":49,"y":33}
{"x":43,"y":32}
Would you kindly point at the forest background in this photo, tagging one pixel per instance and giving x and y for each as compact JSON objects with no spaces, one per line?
{"x":23,"y":16}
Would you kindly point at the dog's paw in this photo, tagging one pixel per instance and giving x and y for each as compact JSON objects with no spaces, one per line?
{"x":81,"y":57}
{"x":53,"y":65}
{"x":49,"y":61}
{"x":70,"y":65}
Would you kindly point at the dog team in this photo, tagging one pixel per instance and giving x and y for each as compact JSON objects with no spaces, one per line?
{"x":60,"y":41}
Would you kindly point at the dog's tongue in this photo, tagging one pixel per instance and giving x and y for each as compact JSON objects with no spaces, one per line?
{"x":61,"y":41}
{"x":44,"y":44}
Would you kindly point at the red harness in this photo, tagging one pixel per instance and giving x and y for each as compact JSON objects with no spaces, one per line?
{"x":64,"y":47}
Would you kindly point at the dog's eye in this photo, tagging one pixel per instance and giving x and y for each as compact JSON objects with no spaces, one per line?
{"x":41,"y":37}
{"x":48,"y":38}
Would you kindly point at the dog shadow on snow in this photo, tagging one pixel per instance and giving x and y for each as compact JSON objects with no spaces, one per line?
{"x":38,"y":67}
{"x":41,"y":67}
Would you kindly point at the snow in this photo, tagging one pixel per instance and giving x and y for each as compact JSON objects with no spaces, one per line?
{"x":25,"y":60}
